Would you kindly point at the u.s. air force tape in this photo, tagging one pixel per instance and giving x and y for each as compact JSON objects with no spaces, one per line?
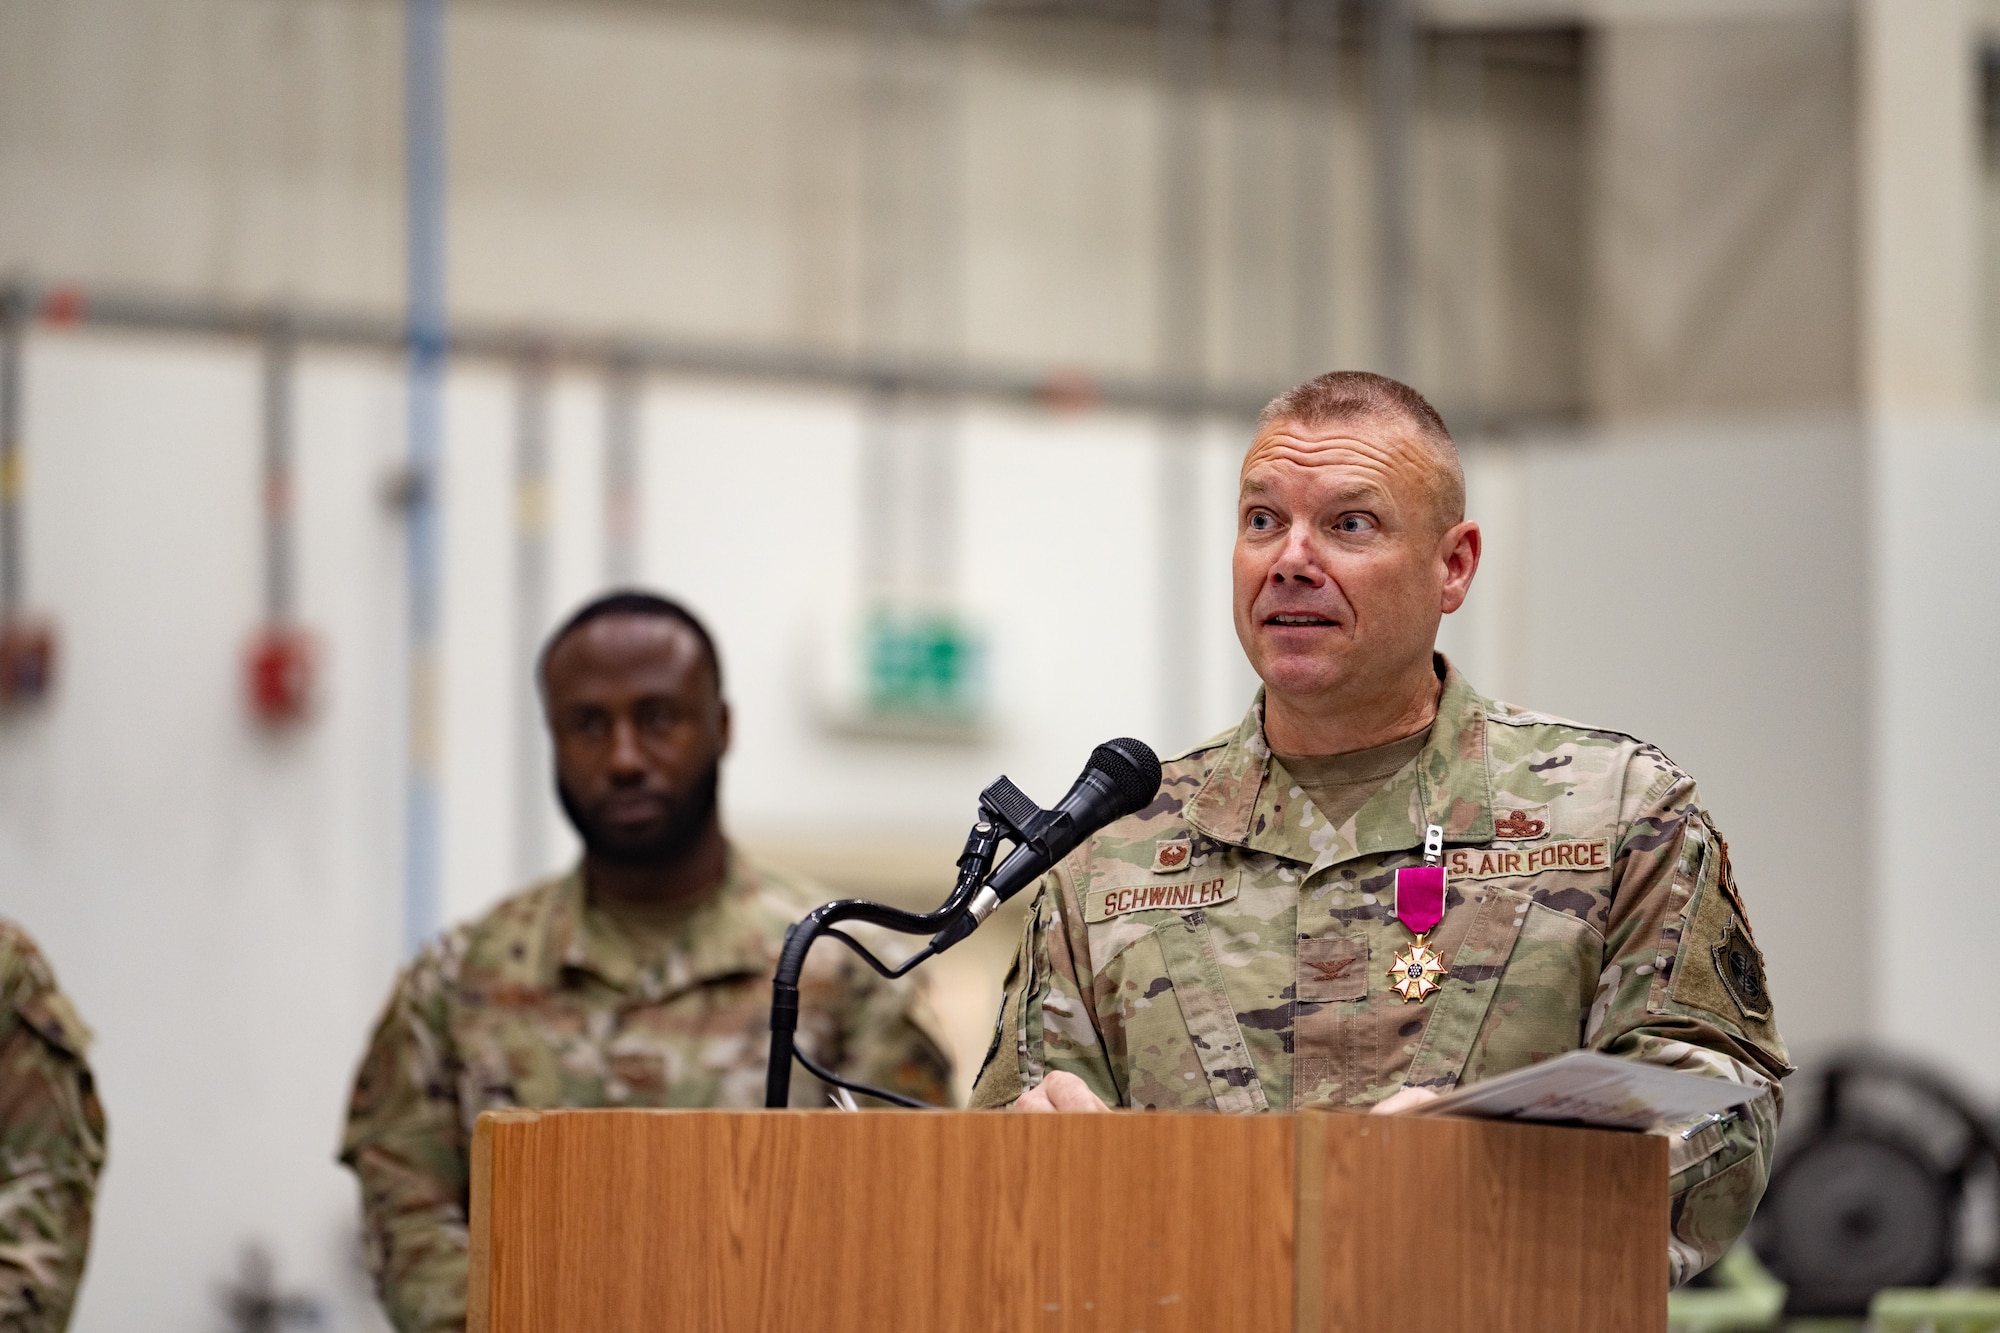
{"x":1501,"y":862}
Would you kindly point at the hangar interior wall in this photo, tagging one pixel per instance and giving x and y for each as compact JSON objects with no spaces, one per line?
{"x":1709,"y":523}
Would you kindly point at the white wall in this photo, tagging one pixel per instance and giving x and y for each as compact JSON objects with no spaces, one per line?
{"x":1705,"y":587}
{"x":1936,"y":590}
{"x":220,"y":903}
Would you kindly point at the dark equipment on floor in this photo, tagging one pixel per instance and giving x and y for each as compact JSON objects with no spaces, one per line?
{"x":1892,"y":1180}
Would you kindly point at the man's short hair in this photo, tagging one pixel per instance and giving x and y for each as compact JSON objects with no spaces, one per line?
{"x":1357,"y":395}
{"x":630,"y":602}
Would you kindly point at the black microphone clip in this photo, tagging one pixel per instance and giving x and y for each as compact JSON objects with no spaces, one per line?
{"x":1121,"y":777}
{"x":1005,"y":811}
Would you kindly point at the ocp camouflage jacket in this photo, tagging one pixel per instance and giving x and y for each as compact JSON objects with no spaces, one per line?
{"x":51,"y":1142}
{"x":534,"y":1006}
{"x":1226,"y":949}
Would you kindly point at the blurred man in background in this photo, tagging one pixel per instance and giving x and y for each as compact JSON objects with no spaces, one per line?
{"x":1587,"y":899}
{"x":51,"y":1142}
{"x":641,"y":978}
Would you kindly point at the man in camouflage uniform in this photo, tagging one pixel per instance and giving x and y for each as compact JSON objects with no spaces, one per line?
{"x":1231,"y":945}
{"x":640,"y":979}
{"x":51,"y":1142}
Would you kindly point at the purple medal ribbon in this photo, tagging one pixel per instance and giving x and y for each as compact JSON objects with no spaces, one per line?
{"x":1420,"y":897}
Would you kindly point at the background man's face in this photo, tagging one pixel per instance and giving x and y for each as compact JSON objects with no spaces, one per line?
{"x":1339,"y":568}
{"x":639,"y":731}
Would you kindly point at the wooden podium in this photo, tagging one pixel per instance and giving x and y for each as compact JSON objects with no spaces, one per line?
{"x":977,"y":1222}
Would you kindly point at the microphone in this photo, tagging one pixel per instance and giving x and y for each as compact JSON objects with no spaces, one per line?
{"x":1122,"y":776}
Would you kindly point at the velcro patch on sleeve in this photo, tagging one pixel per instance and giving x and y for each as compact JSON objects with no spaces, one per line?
{"x":1577,"y":854}
{"x":1187,"y":896}
{"x":1741,"y":966}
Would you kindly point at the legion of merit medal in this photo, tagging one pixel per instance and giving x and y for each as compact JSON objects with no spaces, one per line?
{"x":1418,"y":971}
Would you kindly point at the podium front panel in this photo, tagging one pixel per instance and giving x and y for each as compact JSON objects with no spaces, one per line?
{"x":881,"y":1222}
{"x":1412,"y":1224}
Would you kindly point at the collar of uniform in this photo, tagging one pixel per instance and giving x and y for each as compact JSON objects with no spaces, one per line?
{"x":1450,"y":783}
{"x":724,"y":937}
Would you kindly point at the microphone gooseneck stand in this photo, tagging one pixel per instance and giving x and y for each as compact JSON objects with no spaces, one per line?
{"x":1002,"y":807}
{"x":1122,"y":776}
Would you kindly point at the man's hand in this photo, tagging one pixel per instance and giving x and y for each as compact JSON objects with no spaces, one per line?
{"x":1401,"y":1101}
{"x":1061,"y":1091}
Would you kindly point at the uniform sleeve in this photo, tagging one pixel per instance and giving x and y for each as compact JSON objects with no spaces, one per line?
{"x":1684,"y":987}
{"x":52,"y":1139}
{"x":887,"y":1034}
{"x":1045,"y":1020}
{"x":407,"y":1145}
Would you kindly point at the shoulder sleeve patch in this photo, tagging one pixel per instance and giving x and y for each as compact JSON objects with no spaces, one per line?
{"x":1719,"y":968}
{"x":1741,"y":968}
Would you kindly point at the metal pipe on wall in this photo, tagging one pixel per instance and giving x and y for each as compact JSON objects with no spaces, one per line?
{"x":27,"y":644}
{"x":1257,"y":295}
{"x":937,"y":115}
{"x":1312,"y":51}
{"x":280,"y":358}
{"x":1185,"y":37}
{"x":624,"y":397}
{"x":911,"y":283}
{"x":531,"y":613}
{"x":428,"y":344}
{"x":883,"y":516}
{"x":946,"y":378}
{"x":14,"y":311}
{"x":1395,"y":98}
{"x":1459,"y":74}
{"x":280,"y":664}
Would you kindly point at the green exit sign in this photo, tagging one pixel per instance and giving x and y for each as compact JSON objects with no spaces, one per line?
{"x":923,"y":666}
{"x":903,"y":670}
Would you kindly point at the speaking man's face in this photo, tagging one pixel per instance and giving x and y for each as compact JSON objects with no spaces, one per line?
{"x":1342,"y":567}
{"x":639,"y":729}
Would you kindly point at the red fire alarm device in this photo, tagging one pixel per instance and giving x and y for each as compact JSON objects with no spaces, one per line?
{"x":281,"y":667}
{"x":27,"y":660}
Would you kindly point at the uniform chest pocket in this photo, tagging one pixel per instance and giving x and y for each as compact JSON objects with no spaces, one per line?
{"x":1168,"y":1021}
{"x":1333,"y":969}
{"x":1543,"y":1000}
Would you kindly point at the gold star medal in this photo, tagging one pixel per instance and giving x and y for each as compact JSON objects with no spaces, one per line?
{"x":1418,"y":971}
